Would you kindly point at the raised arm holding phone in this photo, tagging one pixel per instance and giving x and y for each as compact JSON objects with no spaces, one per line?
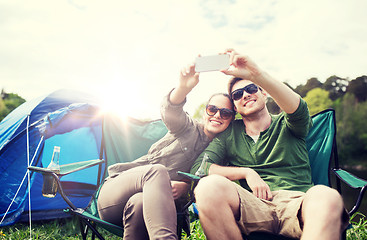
{"x":267,"y":154}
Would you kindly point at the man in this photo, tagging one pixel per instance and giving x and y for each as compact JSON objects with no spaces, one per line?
{"x":139,"y":195}
{"x":268,"y":156}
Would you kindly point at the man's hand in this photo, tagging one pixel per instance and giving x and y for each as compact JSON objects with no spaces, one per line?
{"x":179,"y":188}
{"x":241,"y":66}
{"x":258,"y":186}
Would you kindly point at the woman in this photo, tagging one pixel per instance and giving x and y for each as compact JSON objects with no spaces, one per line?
{"x":140,"y":195}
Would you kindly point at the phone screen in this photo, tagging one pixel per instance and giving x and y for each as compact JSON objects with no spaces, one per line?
{"x":212,"y":63}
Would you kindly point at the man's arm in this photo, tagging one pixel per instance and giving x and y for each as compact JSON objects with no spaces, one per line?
{"x":259,"y":188}
{"x":217,"y":153}
{"x":243,"y":67}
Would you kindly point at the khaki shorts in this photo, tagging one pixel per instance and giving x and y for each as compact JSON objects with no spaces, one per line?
{"x":279,"y":216}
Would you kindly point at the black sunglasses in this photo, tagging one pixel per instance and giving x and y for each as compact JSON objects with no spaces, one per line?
{"x":224,"y":113}
{"x":250,"y":89}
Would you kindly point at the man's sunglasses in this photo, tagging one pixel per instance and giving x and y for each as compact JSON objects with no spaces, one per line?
{"x":250,"y":89}
{"x":224,"y":113}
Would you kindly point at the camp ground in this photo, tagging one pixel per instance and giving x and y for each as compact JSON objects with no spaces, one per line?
{"x":76,"y":123}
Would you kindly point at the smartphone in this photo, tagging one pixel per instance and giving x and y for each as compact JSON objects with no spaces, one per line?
{"x":212,"y":63}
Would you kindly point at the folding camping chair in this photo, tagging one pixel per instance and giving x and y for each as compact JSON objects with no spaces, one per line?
{"x":323,"y":155}
{"x":120,"y":144}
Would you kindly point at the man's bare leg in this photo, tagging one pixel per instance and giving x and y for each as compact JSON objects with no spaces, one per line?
{"x":322,"y":213}
{"x":218,"y":204}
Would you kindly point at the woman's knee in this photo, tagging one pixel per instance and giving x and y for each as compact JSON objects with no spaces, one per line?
{"x":134,"y":208}
{"x":157,"y":170}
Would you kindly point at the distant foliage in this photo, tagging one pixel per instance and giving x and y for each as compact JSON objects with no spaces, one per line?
{"x":9,"y":102}
{"x":310,"y":84}
{"x":358,"y":87}
{"x":348,"y":98}
{"x":317,"y":100}
{"x":198,"y":115}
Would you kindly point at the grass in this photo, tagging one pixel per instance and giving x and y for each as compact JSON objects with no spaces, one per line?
{"x":48,"y":230}
{"x":69,"y":229}
{"x":359,"y":227}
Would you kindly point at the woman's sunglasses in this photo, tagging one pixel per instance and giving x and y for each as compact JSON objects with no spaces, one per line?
{"x":250,"y":89}
{"x":224,"y":113}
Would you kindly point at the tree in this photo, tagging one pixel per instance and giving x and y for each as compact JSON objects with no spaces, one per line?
{"x":3,"y":109}
{"x":317,"y":100}
{"x":198,"y":115}
{"x":351,"y":128}
{"x":9,"y":102}
{"x":311,"y":84}
{"x":336,"y":87}
{"x":358,"y":87}
{"x":272,"y":106}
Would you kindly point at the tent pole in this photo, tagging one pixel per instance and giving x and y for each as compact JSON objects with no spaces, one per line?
{"x":29,"y":182}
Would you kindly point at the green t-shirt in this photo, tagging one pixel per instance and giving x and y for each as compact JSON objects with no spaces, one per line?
{"x":279,"y":156}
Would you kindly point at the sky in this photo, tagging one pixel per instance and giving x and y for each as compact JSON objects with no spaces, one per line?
{"x":130,"y":53}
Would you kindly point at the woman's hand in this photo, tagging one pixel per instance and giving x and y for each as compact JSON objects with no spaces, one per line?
{"x":179,"y":188}
{"x":188,"y":77}
{"x":188,"y":80}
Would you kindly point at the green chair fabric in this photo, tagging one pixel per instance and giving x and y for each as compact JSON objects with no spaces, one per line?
{"x":350,"y":179}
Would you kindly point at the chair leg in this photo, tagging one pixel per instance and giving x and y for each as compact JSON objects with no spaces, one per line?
{"x":344,"y":235}
{"x":90,"y":226}
{"x":85,"y":225}
{"x":183,"y":223}
{"x":93,"y":234}
{"x":83,"y":229}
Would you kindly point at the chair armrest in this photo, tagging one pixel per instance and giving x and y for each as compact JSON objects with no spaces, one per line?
{"x":69,"y":168}
{"x":353,"y":182}
{"x":189,"y":176}
{"x":77,"y":166}
{"x":64,"y":170}
{"x":350,"y":179}
{"x":40,"y":169}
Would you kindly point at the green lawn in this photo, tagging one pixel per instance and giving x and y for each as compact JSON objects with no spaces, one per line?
{"x":69,"y":229}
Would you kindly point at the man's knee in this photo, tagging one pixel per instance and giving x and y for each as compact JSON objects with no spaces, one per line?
{"x":212,"y":186}
{"x":214,"y":191}
{"x":324,"y":200}
{"x":325,"y":195}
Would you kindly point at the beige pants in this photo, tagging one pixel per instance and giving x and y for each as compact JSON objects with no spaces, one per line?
{"x":140,"y":199}
{"x":281,"y":215}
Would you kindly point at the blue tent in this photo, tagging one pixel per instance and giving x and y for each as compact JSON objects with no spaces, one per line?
{"x":73,"y":121}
